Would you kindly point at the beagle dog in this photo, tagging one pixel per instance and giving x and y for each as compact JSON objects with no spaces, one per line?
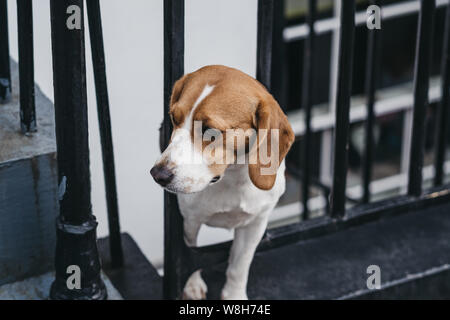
{"x":221,"y":183}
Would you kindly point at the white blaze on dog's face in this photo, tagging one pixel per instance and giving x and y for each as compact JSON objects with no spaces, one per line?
{"x":190,"y":172}
{"x":218,"y":98}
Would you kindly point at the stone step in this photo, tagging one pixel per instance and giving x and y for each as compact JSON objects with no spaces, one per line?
{"x":28,"y":189}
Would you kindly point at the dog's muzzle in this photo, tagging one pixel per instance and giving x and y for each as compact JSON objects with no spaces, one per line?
{"x":162,"y":175}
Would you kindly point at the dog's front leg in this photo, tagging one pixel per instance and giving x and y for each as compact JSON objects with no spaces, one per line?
{"x":195,"y":288}
{"x":246,"y":239}
{"x":191,"y":229}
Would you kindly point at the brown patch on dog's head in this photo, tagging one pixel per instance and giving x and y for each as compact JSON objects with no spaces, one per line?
{"x":237,"y":102}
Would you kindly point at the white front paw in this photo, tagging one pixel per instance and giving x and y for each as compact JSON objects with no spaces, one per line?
{"x":234,"y":294}
{"x":195,"y":288}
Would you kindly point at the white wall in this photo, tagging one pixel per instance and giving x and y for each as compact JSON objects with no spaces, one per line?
{"x":217,"y":32}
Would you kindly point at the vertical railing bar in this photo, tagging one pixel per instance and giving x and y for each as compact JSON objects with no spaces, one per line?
{"x":173,"y":222}
{"x":278,"y":54}
{"x":307,"y":92}
{"x":76,"y":226}
{"x":421,"y":86}
{"x":5,"y":68}
{"x":326,"y":145}
{"x":104,"y":120}
{"x":264,"y":42}
{"x":344,"y":86}
{"x":443,"y":107}
{"x":26,"y":66}
{"x":372,"y":76}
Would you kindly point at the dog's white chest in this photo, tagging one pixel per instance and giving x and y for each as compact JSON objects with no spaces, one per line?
{"x":233,"y":201}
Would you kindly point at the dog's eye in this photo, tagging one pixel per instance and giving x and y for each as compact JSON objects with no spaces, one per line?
{"x":205,"y":128}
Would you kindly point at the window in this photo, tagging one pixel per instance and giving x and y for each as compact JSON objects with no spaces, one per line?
{"x":394,"y":97}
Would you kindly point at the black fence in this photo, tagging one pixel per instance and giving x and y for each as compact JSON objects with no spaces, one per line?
{"x":180,"y":261}
{"x":76,"y":226}
{"x":5,"y":71}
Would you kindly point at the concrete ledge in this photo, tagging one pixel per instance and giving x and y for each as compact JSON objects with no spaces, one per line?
{"x":13,"y":144}
{"x":412,"y":251}
{"x":28,"y":190}
{"x":28,"y":209}
{"x":137,"y":279}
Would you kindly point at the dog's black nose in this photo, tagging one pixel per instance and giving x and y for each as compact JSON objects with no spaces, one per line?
{"x":162,"y":175}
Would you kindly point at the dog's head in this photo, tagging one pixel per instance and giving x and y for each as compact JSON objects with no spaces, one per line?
{"x":222,"y":116}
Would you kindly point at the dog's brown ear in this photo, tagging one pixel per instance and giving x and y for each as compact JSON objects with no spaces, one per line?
{"x":177,"y":90}
{"x":176,"y":93}
{"x":269,"y":116}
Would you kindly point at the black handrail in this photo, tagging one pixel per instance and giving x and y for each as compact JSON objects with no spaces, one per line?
{"x":104,"y":120}
{"x":76,"y":225}
{"x":26,"y":66}
{"x":5,"y":69}
{"x":372,"y":78}
{"x":341,"y":136}
{"x":443,"y":107}
{"x":421,"y":87}
{"x":264,"y":42}
{"x":307,"y":95}
{"x":173,"y":223}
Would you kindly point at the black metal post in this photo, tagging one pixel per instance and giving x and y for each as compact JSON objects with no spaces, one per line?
{"x":344,"y":91}
{"x":173,"y":221}
{"x":278,"y":83}
{"x":26,"y":66}
{"x":104,"y":120}
{"x":443,"y":107}
{"x":264,"y":42}
{"x":372,"y":76}
{"x":421,"y":86}
{"x":76,"y":226}
{"x":5,"y":69}
{"x":307,"y":93}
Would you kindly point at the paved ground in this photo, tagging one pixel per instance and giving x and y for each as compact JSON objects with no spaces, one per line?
{"x":412,"y":251}
{"x":37,"y":288}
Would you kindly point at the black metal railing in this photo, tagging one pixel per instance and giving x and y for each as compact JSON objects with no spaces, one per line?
{"x":26,"y":66}
{"x":5,"y":70}
{"x":344,"y":91}
{"x":104,"y":120}
{"x":372,"y":79}
{"x":444,"y":105}
{"x":76,"y":225}
{"x":308,"y":74}
{"x":174,"y":247}
{"x":421,"y":86}
{"x":180,"y":261}
{"x":26,"y":62}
